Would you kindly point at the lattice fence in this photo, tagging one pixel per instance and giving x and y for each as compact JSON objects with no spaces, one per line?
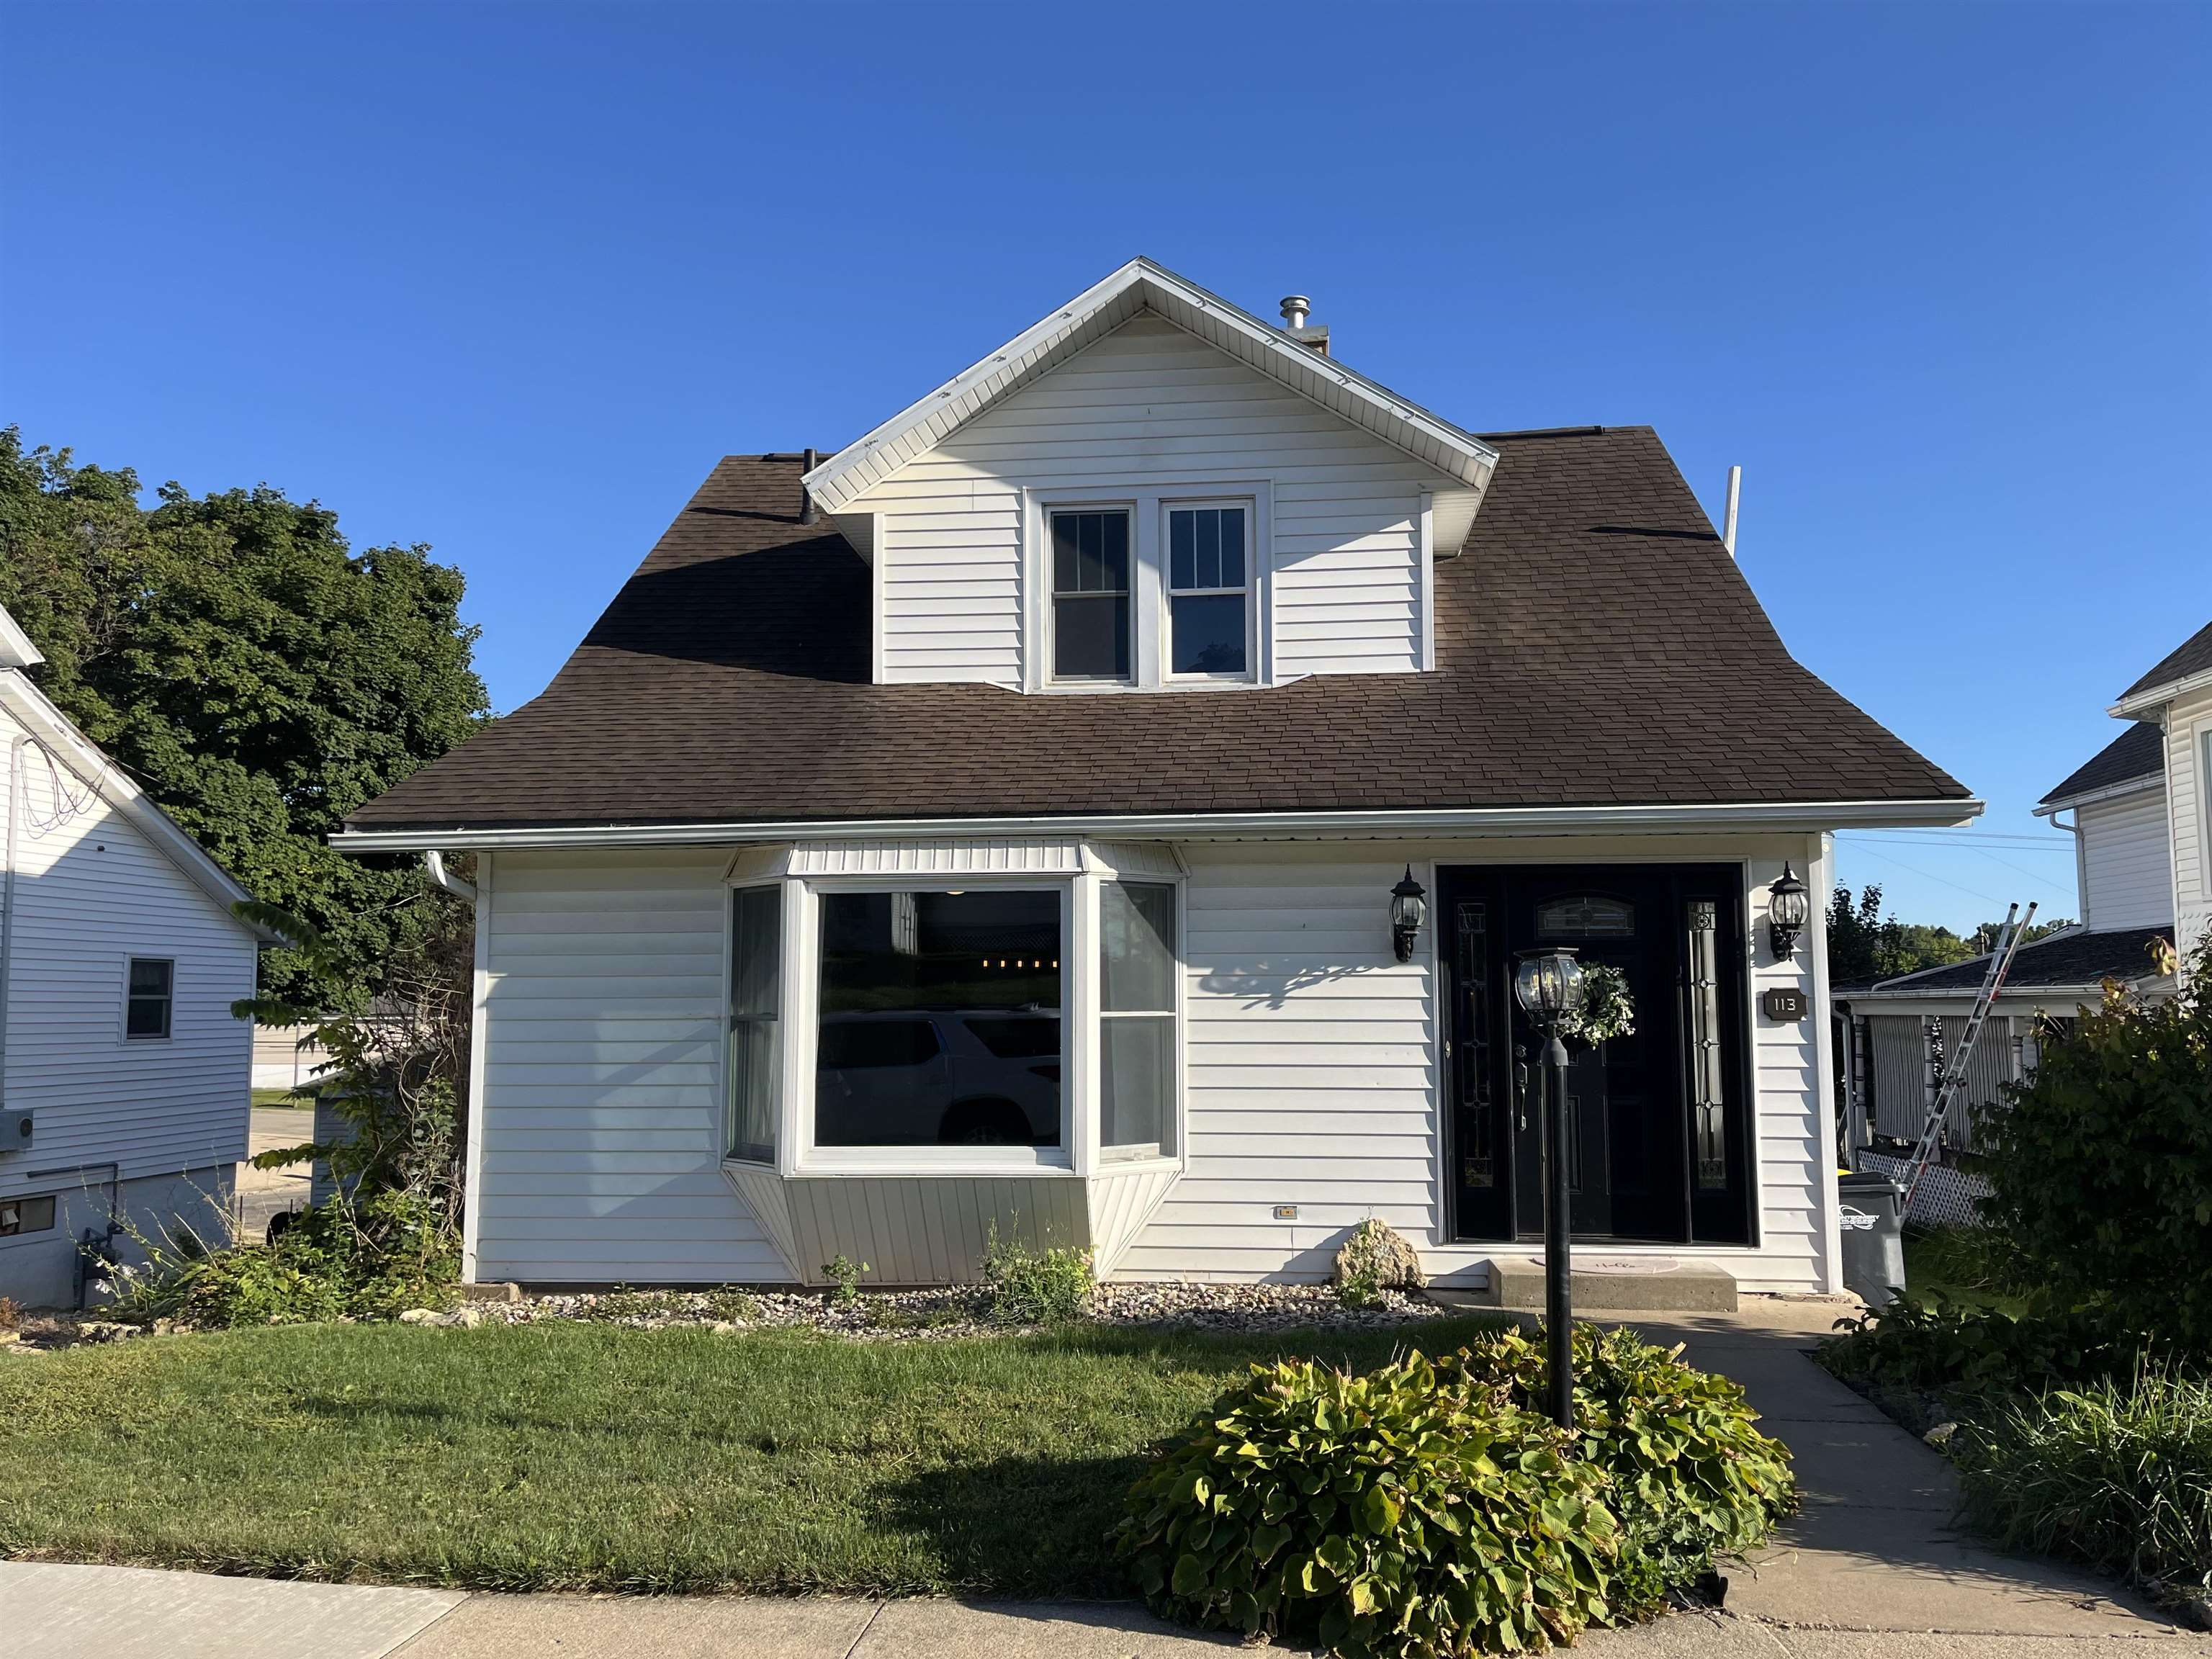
{"x":1947,"y":1198}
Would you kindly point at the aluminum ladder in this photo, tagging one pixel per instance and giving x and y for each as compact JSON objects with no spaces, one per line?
{"x":2015,"y":928}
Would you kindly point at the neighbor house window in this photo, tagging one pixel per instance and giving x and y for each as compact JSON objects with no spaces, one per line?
{"x":1091,"y":594}
{"x":1209,"y":591}
{"x":755,"y":944}
{"x":940,"y":1017}
{"x":149,"y":1004}
{"x":1137,"y":1019}
{"x":25,"y":1215}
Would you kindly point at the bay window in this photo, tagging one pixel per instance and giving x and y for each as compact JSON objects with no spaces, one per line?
{"x":997,"y":1020}
{"x":755,"y":970}
{"x":939,"y":1019}
{"x":1136,"y":1019}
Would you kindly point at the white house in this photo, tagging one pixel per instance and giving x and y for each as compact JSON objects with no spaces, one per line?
{"x":997,"y":822}
{"x":123,"y":1073}
{"x":2138,"y":810}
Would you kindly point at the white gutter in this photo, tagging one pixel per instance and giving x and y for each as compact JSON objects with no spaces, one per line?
{"x":2091,"y":797}
{"x":2135,"y":707}
{"x":1184,"y":826}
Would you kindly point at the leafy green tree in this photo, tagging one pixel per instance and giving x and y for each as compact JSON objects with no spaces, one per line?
{"x":258,"y":677}
{"x":1863,"y":945}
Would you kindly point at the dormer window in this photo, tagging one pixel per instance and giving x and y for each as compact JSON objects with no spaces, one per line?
{"x":1091,"y":594}
{"x":1209,"y":591}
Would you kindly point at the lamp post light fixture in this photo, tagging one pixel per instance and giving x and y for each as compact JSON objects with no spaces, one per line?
{"x":1789,"y":907}
{"x":1409,"y":905}
{"x":1548,"y":986}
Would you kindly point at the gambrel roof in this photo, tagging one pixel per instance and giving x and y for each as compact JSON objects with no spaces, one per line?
{"x":1598,"y":651}
{"x":1141,"y":285}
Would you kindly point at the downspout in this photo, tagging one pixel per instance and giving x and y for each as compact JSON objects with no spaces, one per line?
{"x":433,"y":864}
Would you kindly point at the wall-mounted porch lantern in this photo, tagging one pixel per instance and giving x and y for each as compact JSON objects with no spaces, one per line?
{"x":1409,"y":904}
{"x":1548,"y":984}
{"x":1788,"y":908}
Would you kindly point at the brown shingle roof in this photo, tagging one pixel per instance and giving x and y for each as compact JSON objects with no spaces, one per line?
{"x":2193,"y":656}
{"x":1597,"y":646}
{"x":2138,"y":752}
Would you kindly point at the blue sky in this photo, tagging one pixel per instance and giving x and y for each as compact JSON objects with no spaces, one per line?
{"x":507,"y":279}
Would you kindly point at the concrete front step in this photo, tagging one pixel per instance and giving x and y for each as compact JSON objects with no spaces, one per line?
{"x":1636,"y":1285}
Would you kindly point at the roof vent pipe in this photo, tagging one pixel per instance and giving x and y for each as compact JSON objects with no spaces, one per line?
{"x":1735,"y":495}
{"x":1294,"y":307}
{"x":805,"y":495}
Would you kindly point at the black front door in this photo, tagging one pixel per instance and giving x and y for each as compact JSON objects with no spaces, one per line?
{"x":1658,"y":1122}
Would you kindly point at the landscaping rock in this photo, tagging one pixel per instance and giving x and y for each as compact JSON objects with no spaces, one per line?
{"x":420,"y":1316}
{"x":1376,"y":1256}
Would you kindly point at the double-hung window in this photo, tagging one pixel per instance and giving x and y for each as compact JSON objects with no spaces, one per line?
{"x":1209,"y":591}
{"x":1091,"y":594}
{"x":1137,"y":1019}
{"x":150,"y":1002}
{"x":755,"y":975}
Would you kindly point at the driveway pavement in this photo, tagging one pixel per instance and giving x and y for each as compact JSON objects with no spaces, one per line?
{"x":1872,"y":1568}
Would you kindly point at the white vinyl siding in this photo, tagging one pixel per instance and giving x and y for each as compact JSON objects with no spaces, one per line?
{"x":2188,"y":797}
{"x":602,"y":1115}
{"x":2127,"y":862}
{"x":92,"y":893}
{"x":1151,"y":407}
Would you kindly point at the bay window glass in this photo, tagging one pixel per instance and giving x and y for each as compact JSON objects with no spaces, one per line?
{"x":1136,"y":1019}
{"x":1090,"y":595}
{"x":940,"y":1019}
{"x":1209,"y":591}
{"x":755,"y":944}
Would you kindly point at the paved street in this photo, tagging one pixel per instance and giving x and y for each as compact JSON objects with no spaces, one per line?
{"x":1873,"y":1568}
{"x":264,"y":1193}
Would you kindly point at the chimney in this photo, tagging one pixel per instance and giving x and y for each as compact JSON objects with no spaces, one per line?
{"x":805,"y":495}
{"x":1296,"y":307}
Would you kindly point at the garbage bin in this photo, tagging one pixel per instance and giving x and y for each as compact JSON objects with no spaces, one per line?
{"x":1871,"y":1207}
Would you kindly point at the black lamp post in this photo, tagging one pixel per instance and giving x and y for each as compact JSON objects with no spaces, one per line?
{"x":1548,"y":984}
{"x":1789,"y":907}
{"x":1409,"y":903}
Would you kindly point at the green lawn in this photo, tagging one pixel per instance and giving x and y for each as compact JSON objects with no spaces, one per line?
{"x":578,"y":1456}
{"x":1954,"y":1261}
{"x":265,"y":1098}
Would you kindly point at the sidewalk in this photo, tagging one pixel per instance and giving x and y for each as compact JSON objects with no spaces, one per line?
{"x":1871,"y":1569}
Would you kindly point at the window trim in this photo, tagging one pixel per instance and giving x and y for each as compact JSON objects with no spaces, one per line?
{"x":1133,"y":594}
{"x":168,"y":1031}
{"x":1249,"y":591}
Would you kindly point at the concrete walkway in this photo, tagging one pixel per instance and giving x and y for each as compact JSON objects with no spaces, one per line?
{"x":1873,"y":1568}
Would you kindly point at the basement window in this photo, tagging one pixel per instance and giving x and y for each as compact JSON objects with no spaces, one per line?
{"x":150,"y":1004}
{"x":25,"y":1215}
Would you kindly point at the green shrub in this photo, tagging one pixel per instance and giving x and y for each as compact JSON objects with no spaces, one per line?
{"x":844,"y":1276}
{"x":1036,"y":1287}
{"x":2118,"y":1474}
{"x":1390,"y":1514}
{"x":368,"y":1259}
{"x":2100,"y":1166}
{"x":1935,"y":1346}
{"x":1690,"y":1477}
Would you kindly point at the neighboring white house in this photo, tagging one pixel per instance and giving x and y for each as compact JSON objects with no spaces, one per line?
{"x":122,"y":1072}
{"x":997,"y":823}
{"x":2138,"y":809}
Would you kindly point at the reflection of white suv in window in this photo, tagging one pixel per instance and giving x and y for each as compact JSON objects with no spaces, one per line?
{"x":938,"y":1076}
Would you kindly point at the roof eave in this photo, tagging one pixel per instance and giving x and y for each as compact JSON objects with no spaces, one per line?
{"x":2140,"y":705}
{"x":1356,"y":824}
{"x":2136,"y":784}
{"x":840,"y":480}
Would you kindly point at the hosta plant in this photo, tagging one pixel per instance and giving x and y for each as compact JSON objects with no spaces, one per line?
{"x":1399,"y":1514}
{"x":1689,"y":1475}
